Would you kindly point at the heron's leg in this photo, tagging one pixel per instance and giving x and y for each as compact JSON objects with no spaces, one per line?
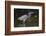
{"x":24,"y":23}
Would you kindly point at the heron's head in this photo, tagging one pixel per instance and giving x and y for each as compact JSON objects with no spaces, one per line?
{"x":30,"y":13}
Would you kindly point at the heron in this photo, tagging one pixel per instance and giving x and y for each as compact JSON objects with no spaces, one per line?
{"x":25,"y":17}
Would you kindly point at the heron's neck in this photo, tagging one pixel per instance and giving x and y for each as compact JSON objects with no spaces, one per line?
{"x":29,"y":15}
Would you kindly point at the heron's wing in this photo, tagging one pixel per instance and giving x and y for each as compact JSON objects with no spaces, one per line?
{"x":23,"y":17}
{"x":19,"y":18}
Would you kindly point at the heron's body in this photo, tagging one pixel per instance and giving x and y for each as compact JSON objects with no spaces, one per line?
{"x":25,"y":17}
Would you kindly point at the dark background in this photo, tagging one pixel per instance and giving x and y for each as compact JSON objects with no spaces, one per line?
{"x":19,"y":12}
